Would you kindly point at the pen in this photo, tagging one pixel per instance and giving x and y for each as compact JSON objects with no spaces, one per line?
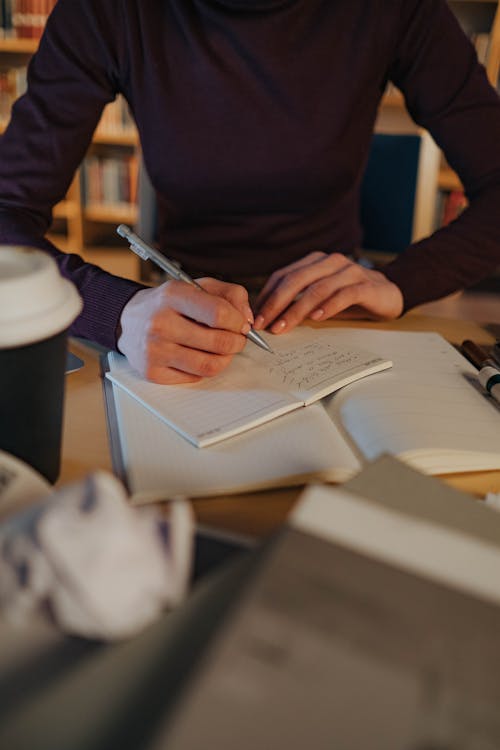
{"x":489,"y":377}
{"x":476,"y":354}
{"x":146,"y":252}
{"x":495,"y":353}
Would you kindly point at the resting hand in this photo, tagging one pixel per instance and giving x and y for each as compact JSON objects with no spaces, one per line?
{"x":322,"y":286}
{"x":176,"y":333}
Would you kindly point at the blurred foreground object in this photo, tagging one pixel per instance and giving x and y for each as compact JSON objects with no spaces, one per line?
{"x":101,"y":568}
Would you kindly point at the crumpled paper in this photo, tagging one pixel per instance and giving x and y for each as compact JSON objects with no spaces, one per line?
{"x":101,"y":568}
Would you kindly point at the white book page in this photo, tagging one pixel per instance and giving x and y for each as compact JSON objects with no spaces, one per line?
{"x":159,"y":463}
{"x":256,"y":387}
{"x":215,"y":408}
{"x":429,"y":409}
{"x":312,"y":363}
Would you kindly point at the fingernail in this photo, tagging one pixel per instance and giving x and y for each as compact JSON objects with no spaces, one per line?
{"x":249,"y":315}
{"x":259,"y":321}
{"x":246,"y":327}
{"x":279,"y":326}
{"x":317,"y":314}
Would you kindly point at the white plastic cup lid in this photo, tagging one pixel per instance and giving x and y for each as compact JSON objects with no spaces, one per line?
{"x":36,"y":302}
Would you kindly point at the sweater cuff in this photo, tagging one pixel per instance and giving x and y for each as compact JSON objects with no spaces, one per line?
{"x":399,"y":276}
{"x":104,"y":298}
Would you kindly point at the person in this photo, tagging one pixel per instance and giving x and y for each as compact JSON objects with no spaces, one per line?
{"x":255,"y":119}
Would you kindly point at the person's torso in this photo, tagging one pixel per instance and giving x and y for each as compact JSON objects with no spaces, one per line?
{"x":255,"y":120}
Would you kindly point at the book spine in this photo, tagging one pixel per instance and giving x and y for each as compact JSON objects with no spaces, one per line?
{"x":8,"y":28}
{"x":25,"y":19}
{"x":12,"y":86}
{"x":110,"y":180}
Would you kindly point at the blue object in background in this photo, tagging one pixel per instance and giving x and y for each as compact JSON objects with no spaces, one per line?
{"x":388,"y":192}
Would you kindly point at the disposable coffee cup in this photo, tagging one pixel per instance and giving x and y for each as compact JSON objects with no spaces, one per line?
{"x":37,"y":306}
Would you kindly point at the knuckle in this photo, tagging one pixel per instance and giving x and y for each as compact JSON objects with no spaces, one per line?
{"x":160,"y":324}
{"x":335,"y":261}
{"x":291,"y":282}
{"x":171,"y":289}
{"x":358,"y":272}
{"x":275,"y":277}
{"x":218,"y":315}
{"x":339,"y":257}
{"x":237,"y":291}
{"x":318,"y":291}
{"x":210,"y":365}
{"x":317,"y":255}
{"x":223,"y":342}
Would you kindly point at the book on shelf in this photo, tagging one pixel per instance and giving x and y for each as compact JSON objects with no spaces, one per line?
{"x":12,"y":85}
{"x":110,"y":180}
{"x":428,"y":409}
{"x":116,"y":119}
{"x":24,"y":19}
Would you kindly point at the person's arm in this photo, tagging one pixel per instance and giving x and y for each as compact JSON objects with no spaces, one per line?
{"x":446,"y":92}
{"x":170,"y":334}
{"x":71,"y":78}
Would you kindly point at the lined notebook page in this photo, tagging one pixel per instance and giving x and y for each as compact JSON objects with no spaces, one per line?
{"x":316,"y":363}
{"x":212,"y":409}
{"x":429,"y":409}
{"x":255,"y":388}
{"x":294,"y":449}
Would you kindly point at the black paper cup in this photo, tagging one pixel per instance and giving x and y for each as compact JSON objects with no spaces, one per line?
{"x":37,"y":306}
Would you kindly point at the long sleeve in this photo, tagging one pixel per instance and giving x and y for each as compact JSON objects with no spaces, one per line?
{"x":447,"y":92}
{"x":255,"y":123}
{"x":50,"y":130}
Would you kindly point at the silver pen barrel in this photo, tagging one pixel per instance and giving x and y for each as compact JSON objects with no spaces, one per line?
{"x":146,"y":252}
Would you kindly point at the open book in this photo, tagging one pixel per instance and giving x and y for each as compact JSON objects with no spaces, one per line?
{"x":428,"y":409}
{"x":307,"y":365}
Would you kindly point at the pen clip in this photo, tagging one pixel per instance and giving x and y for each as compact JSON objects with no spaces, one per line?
{"x":138,"y":250}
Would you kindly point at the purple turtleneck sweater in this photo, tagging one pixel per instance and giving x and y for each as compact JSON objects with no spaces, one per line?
{"x":255,"y":120}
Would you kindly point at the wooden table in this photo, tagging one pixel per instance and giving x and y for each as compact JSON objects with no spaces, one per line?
{"x":85,"y":442}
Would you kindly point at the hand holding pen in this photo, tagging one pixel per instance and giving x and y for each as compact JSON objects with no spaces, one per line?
{"x":180,"y":332}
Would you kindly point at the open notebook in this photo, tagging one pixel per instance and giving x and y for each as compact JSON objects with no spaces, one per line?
{"x":307,"y":364}
{"x":428,"y":409}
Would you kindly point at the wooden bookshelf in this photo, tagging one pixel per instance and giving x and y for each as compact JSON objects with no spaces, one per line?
{"x":18,"y":46}
{"x":77,"y":227}
{"x":110,"y":214}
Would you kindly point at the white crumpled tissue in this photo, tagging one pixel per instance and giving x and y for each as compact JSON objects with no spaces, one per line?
{"x":100,"y":567}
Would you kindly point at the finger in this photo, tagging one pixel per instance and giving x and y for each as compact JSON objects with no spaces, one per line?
{"x":170,"y":326}
{"x":347,"y":298}
{"x":372,"y":296}
{"x":291,"y":285}
{"x":276,"y":277}
{"x":312,"y":302}
{"x":164,"y":375}
{"x":166,"y":356}
{"x":235,"y":294}
{"x":210,"y":309}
